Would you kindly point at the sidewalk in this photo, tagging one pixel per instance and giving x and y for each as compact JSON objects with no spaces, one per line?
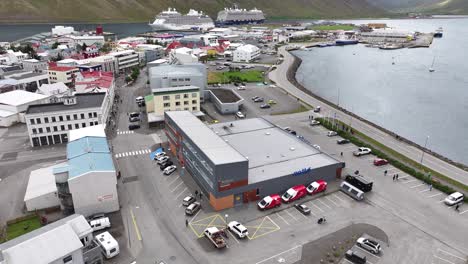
{"x":279,"y":76}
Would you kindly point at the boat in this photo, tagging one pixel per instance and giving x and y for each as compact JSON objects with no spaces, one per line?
{"x":390,"y":47}
{"x":171,"y":20}
{"x":236,"y":16}
{"x":439,"y":33}
{"x":431,"y":69}
{"x":342,"y":42}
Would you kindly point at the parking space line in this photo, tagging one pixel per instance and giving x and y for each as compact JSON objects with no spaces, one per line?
{"x":278,"y":254}
{"x":427,"y":190}
{"x":229,"y":232}
{"x":318,"y":207}
{"x":363,"y":250}
{"x":177,"y":186}
{"x":450,"y":254}
{"x":337,"y":197}
{"x":441,"y":201}
{"x":435,"y":256}
{"x":182,"y":192}
{"x":463,"y":212}
{"x":415,"y":186}
{"x":324,"y":204}
{"x":281,"y":218}
{"x":348,"y":261}
{"x":434,"y":195}
{"x":331,"y":200}
{"x":295,"y":219}
{"x":410,"y":181}
{"x":175,"y":179}
{"x":404,"y":177}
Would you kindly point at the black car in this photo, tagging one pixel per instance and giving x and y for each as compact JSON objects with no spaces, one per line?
{"x":133,"y":126}
{"x":342,"y":141}
{"x":258,"y":100}
{"x":263,"y":106}
{"x":355,"y":257}
{"x":236,"y":84}
{"x":166,"y":164}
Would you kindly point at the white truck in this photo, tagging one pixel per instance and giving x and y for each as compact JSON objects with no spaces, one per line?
{"x":215,"y":236}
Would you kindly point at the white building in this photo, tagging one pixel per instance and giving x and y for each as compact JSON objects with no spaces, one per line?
{"x":62,"y":74}
{"x":61,"y":30}
{"x":69,"y":240}
{"x":16,"y":56}
{"x":126,"y":59}
{"x":49,"y":123}
{"x":34,"y":65}
{"x":245,"y":53}
{"x":182,"y":56}
{"x":41,"y":192}
{"x":88,"y":40}
{"x":14,"y":104}
{"x":56,"y":90}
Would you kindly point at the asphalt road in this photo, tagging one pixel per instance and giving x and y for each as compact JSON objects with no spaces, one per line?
{"x":279,"y":77}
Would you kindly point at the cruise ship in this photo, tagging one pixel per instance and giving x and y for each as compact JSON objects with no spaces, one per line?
{"x":171,"y":20}
{"x":236,"y":16}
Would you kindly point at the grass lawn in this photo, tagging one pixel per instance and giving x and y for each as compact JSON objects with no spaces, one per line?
{"x":23,"y":227}
{"x":226,"y":77}
{"x":333,"y":27}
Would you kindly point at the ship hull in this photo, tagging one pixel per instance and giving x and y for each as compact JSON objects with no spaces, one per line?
{"x":173,"y":27}
{"x":236,"y":22}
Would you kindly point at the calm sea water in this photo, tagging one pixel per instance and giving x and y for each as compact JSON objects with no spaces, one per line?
{"x":405,"y":98}
{"x":15,"y":32}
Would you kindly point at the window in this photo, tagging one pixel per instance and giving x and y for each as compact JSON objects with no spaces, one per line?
{"x":166,"y":97}
{"x":95,"y":122}
{"x":38,"y":120}
{"x":46,"y":119}
{"x":194,"y":108}
{"x":194,"y":101}
{"x":77,"y":126}
{"x":95,"y":114}
{"x":32,"y":121}
{"x":177,"y":103}
{"x":61,"y":118}
{"x":48,"y":129}
{"x":67,"y":259}
{"x":55,"y":128}
{"x":82,"y":116}
{"x":83,"y":124}
{"x":90,"y":115}
{"x":69,"y":127}
{"x":174,"y":79}
{"x":40,"y":130}
{"x":177,"y":96}
{"x":75,"y":117}
{"x":186,"y":109}
{"x":167,"y":105}
{"x":34,"y":131}
{"x":68,"y":117}
{"x":53,"y":119}
{"x":186,"y":102}
{"x":187,"y":79}
{"x":181,"y":79}
{"x":194,"y":95}
{"x":185,"y":95}
{"x":62,"y":127}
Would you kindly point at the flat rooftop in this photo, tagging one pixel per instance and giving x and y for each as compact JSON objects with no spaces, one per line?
{"x":271,"y":151}
{"x":83,"y":101}
{"x":225,"y":95}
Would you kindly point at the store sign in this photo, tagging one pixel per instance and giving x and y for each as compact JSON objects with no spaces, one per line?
{"x":303,"y":171}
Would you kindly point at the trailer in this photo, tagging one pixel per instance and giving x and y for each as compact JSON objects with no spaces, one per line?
{"x":215,"y":236}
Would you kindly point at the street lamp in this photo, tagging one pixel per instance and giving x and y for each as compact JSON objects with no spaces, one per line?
{"x":226,"y":219}
{"x":424,"y":150}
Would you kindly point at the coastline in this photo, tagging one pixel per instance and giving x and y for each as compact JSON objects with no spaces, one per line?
{"x":291,"y":76}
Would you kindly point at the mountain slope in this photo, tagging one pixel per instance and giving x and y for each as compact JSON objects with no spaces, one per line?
{"x":145,"y":10}
{"x":429,"y":6}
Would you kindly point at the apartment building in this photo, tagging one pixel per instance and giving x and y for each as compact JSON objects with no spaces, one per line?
{"x":62,"y":74}
{"x":126,"y":59}
{"x":246,"y":53}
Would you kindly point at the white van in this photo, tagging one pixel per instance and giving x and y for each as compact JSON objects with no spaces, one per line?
{"x":352,"y":191}
{"x":108,"y":244}
{"x":100,"y":223}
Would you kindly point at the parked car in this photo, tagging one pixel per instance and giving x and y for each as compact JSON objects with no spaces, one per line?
{"x":159,"y":155}
{"x":342,"y":141}
{"x":270,"y":201}
{"x":265,"y":83}
{"x":259,"y":100}
{"x":316,"y":146}
{"x":380,"y":162}
{"x":241,"y":87}
{"x":264,"y":106}
{"x":271,"y":102}
{"x":304,"y":209}
{"x":317,"y":109}
{"x":454,"y":198}
{"x":166,"y":164}
{"x":100,"y":223}
{"x":163,"y":159}
{"x":96,"y":216}
{"x":236,"y":84}
{"x":240,"y":115}
{"x":317,"y":187}
{"x":254,"y":98}
{"x":169,"y":170}
{"x":362,"y":151}
{"x":332,"y":133}
{"x":355,"y":257}
{"x":362,"y":183}
{"x":314,"y":123}
{"x":133,"y":126}
{"x":369,"y":245}
{"x":295,"y":193}
{"x":193,"y":208}
{"x":188,"y":200}
{"x":238,"y":229}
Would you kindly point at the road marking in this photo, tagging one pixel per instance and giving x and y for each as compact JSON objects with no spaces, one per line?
{"x":182,"y":192}
{"x":363,"y":250}
{"x":233,"y":236}
{"x":137,"y":230}
{"x":435,"y":256}
{"x":324,"y":204}
{"x":281,"y":218}
{"x":410,"y":181}
{"x":336,"y":196}
{"x":434,"y":195}
{"x":427,"y":190}
{"x":175,"y":179}
{"x":177,"y":186}
{"x":415,"y":186}
{"x":349,"y":261}
{"x":278,"y":254}
{"x":318,"y":208}
{"x":464,"y":212}
{"x":331,"y":201}
{"x":450,"y":254}
{"x":441,"y":201}
{"x":404,"y":177}
{"x":295,"y":219}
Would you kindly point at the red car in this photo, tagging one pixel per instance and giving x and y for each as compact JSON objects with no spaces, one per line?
{"x":380,"y":162}
{"x":294,"y":193}
{"x":317,"y":187}
{"x":269,"y":202}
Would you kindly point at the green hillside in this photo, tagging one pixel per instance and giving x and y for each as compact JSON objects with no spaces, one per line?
{"x":25,"y":11}
{"x":452,"y":7}
{"x":429,"y":6}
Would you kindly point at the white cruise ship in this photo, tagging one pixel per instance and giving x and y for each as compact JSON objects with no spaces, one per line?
{"x":174,"y":21}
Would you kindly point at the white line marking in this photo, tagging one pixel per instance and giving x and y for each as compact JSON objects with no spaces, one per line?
{"x":331,"y":201}
{"x":273,"y":222}
{"x":317,"y":207}
{"x":177,"y":186}
{"x":324,"y":204}
{"x":349,"y":261}
{"x":125,"y":154}
{"x":434,"y":195}
{"x":435,"y":256}
{"x":443,"y":251}
{"x":191,"y":220}
{"x":427,"y":190}
{"x":282,"y":218}
{"x":229,"y":231}
{"x":182,"y":192}
{"x":295,"y":219}
{"x":410,"y":181}
{"x":415,"y":186}
{"x":337,"y":197}
{"x":278,"y":254}
{"x":404,"y":177}
{"x":464,"y":212}
{"x":441,"y":201}
{"x":175,"y":179}
{"x":363,"y":250}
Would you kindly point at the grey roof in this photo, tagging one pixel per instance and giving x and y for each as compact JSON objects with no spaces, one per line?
{"x":225,"y":95}
{"x":175,"y":70}
{"x":29,"y":75}
{"x":85,"y":100}
{"x":213,"y":146}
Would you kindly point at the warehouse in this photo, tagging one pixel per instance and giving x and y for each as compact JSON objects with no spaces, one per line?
{"x":244,"y":160}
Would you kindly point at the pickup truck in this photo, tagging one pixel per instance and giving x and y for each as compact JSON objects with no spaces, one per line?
{"x":215,"y":236}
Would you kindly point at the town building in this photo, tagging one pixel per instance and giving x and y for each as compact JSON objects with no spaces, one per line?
{"x":34,"y":65}
{"x":49,"y":124}
{"x":126,"y":60}
{"x":28,"y":81}
{"x":95,"y":82}
{"x":172,"y":99}
{"x":62,"y":74}
{"x":226,"y":101}
{"x":68,"y":240}
{"x":245,"y":53}
{"x":182,"y":56}
{"x":13,"y":105}
{"x":16,"y":57}
{"x":73,"y":40}
{"x":54,"y":90}
{"x":151,"y":52}
{"x":165,"y":76}
{"x":244,"y":160}
{"x":62,"y":30}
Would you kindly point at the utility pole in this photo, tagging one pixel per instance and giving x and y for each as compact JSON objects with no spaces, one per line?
{"x":424,"y":150}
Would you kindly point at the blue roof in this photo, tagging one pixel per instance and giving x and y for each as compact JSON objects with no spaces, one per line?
{"x":88,"y":154}
{"x":60,"y":169}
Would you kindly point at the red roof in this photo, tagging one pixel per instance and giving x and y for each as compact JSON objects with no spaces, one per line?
{"x":61,"y":68}
{"x":93,"y":79}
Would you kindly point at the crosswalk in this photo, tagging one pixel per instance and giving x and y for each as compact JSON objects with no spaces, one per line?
{"x":125,"y":132}
{"x":133,"y":153}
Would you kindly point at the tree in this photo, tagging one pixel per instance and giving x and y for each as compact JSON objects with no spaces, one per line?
{"x":55,"y":45}
{"x":128,"y":79}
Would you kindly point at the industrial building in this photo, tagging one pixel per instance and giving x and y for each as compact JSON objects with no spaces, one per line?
{"x":226,"y":101}
{"x":69,"y":240}
{"x":244,"y":160}
{"x":14,"y":104}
